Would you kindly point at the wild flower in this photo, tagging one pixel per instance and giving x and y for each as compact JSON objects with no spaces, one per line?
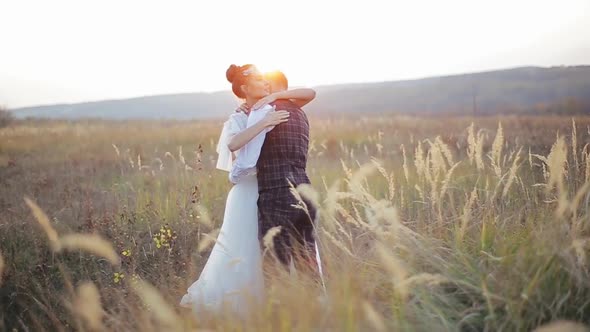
{"x":118,"y":277}
{"x":165,"y":237}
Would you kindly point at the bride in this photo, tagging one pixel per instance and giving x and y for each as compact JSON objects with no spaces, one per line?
{"x":232,"y":278}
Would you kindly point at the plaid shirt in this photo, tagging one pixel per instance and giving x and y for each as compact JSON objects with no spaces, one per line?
{"x":283,"y":157}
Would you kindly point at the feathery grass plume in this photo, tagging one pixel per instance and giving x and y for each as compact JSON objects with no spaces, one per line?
{"x":381,"y":212}
{"x":388,"y":177}
{"x":438,"y":164}
{"x":391,"y":186}
{"x":379,"y":148}
{"x":512,"y":173}
{"x":356,"y":182}
{"x":139,"y":162}
{"x":92,"y":243}
{"x":380,"y":168}
{"x":556,"y":161}
{"x":208,"y":240}
{"x":373,"y":317}
{"x":307,"y":192}
{"x":300,"y":203}
{"x":420,"y":193}
{"x":347,"y":171}
{"x":580,"y":247}
{"x":43,"y":220}
{"x":541,"y":158}
{"x":447,"y":180}
{"x":435,"y":167}
{"x":203,"y":217}
{"x":545,"y":173}
{"x":509,"y":156}
{"x":357,"y":214}
{"x":330,"y":205}
{"x":466,"y":217}
{"x":446,"y":151}
{"x":479,"y":151}
{"x":402,"y":201}
{"x":86,"y":304}
{"x":562,"y":326}
{"x":471,"y":143}
{"x":341,"y":230}
{"x":169,"y":155}
{"x":573,"y":206}
{"x":1,"y":267}
{"x":405,"y":164}
{"x":497,"y":146}
{"x":575,"y":145}
{"x":427,"y":279}
{"x":268,"y":238}
{"x":496,"y":167}
{"x":181,"y":156}
{"x":336,"y":242}
{"x":348,"y":217}
{"x":395,"y":268}
{"x":160,"y":163}
{"x":161,"y":311}
{"x":116,"y":150}
{"x":428,"y":173}
{"x":497,"y":187}
{"x":419,"y":161}
{"x":530,"y":159}
{"x":587,"y":157}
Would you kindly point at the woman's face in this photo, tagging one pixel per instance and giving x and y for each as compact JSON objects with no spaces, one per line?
{"x":256,"y":86}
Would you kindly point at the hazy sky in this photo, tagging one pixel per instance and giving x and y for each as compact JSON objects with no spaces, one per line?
{"x":68,"y":51}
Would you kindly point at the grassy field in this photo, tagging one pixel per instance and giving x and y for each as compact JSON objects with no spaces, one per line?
{"x":427,"y":224}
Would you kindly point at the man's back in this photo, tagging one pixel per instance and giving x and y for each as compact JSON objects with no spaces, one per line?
{"x":283,"y":157}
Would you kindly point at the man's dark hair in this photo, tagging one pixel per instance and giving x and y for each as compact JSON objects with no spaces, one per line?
{"x":278,"y":78}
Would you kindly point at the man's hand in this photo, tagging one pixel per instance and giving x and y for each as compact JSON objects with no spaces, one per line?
{"x":274,"y":118}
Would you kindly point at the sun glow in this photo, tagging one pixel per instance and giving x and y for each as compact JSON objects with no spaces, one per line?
{"x":113,"y":49}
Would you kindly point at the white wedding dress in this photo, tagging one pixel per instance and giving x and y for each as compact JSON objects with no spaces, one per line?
{"x":232,"y":278}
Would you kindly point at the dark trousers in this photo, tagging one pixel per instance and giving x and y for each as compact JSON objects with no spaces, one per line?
{"x":279,"y":207}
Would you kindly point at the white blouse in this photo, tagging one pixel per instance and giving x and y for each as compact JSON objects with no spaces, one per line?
{"x":246,"y":160}
{"x":236,"y":123}
{"x":246,"y":157}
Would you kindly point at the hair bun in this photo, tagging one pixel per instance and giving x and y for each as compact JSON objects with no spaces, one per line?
{"x":231,"y":72}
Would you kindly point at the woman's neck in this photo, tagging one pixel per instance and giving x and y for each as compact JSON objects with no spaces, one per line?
{"x":251,"y":101}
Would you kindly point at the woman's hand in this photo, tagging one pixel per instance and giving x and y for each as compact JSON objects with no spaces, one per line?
{"x":274,"y":118}
{"x":265,"y":101}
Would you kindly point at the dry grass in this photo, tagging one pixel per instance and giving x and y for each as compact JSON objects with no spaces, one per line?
{"x":1,"y":267}
{"x":473,"y":235}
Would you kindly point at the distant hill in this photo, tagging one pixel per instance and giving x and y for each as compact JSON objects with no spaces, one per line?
{"x":519,"y":90}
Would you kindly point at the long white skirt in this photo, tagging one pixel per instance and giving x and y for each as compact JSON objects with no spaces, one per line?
{"x":232,"y":278}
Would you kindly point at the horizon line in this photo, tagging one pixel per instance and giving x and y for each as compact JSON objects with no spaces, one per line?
{"x":315,"y":86}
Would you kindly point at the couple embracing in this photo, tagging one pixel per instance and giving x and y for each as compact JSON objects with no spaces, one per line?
{"x":263,"y":145}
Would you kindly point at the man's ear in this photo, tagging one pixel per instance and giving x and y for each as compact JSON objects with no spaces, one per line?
{"x":244,"y":89}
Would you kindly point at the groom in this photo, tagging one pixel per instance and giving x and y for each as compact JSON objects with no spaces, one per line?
{"x":281,"y":166}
